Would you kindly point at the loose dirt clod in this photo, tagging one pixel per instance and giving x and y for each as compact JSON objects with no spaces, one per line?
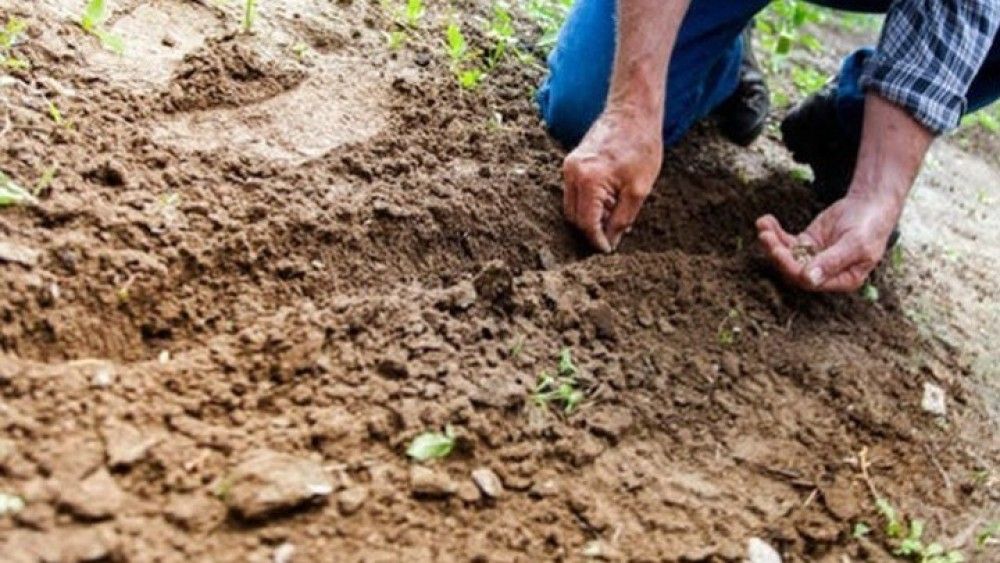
{"x":268,"y":482}
{"x":803,"y":252}
{"x":97,"y":497}
{"x":427,"y":482}
{"x":351,"y":499}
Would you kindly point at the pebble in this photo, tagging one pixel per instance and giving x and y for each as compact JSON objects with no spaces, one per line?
{"x":97,"y":497}
{"x":469,"y":492}
{"x":268,"y":482}
{"x":730,"y":364}
{"x":934,"y":400}
{"x":545,"y":488}
{"x":488,"y":482}
{"x":284,"y":553}
{"x":759,"y":551}
{"x":351,"y":499}
{"x":10,"y":252}
{"x":430,"y":483}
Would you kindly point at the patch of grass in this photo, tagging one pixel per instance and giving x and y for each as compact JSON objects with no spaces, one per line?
{"x":432,"y":445}
{"x":468,"y":76}
{"x":987,"y":119}
{"x":92,"y":21}
{"x":780,"y":28}
{"x":989,"y":534}
{"x":413,"y":12}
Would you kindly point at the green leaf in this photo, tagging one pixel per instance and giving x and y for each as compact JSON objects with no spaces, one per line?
{"x":249,"y":14}
{"x":457,"y":46}
{"x":860,"y":530}
{"x":784,"y":44}
{"x":870,"y":293}
{"x":93,"y":15}
{"x":110,"y":41}
{"x":12,"y":194}
{"x":566,"y":366}
{"x":431,"y":445}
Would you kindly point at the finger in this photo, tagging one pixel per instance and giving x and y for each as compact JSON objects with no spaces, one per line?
{"x":832,"y":262}
{"x":847,"y":281}
{"x":770,"y":223}
{"x":781,"y":256}
{"x":623,"y":215}
{"x":570,"y":191}
{"x":590,"y":209}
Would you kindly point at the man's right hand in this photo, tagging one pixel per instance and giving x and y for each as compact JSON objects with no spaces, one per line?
{"x":610,"y":174}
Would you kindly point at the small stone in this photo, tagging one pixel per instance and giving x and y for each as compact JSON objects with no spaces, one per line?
{"x":269,"y":482}
{"x":429,"y":483}
{"x":546,"y":260}
{"x":97,"y":497}
{"x":284,"y":553}
{"x":488,"y":482}
{"x":934,"y":400}
{"x":610,"y":423}
{"x":103,"y":376}
{"x":10,"y":504}
{"x":461,"y":296}
{"x":665,"y":327}
{"x":351,"y":499}
{"x":17,"y":254}
{"x":759,"y":551}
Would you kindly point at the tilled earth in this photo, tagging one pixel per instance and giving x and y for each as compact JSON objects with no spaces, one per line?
{"x":267,"y":262}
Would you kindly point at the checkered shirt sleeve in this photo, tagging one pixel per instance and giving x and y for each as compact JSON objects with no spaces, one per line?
{"x":928,"y":54}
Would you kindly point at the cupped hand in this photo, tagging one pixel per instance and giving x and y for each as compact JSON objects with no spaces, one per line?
{"x":610,"y":174}
{"x":838,"y":251}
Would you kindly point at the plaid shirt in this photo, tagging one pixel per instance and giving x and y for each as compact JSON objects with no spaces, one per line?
{"x":928,"y":55}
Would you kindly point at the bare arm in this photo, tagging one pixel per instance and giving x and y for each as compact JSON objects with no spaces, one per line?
{"x":610,"y":174}
{"x":850,"y":236}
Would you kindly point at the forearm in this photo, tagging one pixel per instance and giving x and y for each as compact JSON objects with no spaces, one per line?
{"x":893,"y":145}
{"x":647,"y":31}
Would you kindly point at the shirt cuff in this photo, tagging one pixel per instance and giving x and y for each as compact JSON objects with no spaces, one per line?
{"x":936,"y":106}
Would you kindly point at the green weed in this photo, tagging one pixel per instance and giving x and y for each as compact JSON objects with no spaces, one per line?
{"x":869,"y":293}
{"x":911,"y":544}
{"x":249,"y":15}
{"x":56,"y":114}
{"x":549,"y":15}
{"x":10,"y":35}
{"x":92,"y":21}
{"x":501,"y":30}
{"x":468,"y":77}
{"x":432,"y":445}
{"x":860,"y":530}
{"x":45,"y":180}
{"x":561,"y":388}
{"x":780,"y":29}
{"x":414,"y":12}
{"x":729,"y":329}
{"x":13,"y":194}
{"x":987,"y":119}
{"x":988,"y":534}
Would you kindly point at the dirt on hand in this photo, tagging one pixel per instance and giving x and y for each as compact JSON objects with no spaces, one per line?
{"x":322,"y":257}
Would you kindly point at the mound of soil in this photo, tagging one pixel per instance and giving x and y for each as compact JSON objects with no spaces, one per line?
{"x":327,"y":289}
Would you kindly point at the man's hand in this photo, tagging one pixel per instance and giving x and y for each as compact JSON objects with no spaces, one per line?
{"x":610,"y":174}
{"x":838,"y":250}
{"x":847,"y":240}
{"x":612,"y":171}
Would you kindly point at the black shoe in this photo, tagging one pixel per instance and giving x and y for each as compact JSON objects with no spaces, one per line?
{"x":742,"y":116}
{"x":812,"y":132}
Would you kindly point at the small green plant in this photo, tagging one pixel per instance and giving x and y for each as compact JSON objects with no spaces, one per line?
{"x":395,"y":39}
{"x":987,"y":119}
{"x":45,"y":180}
{"x":549,"y":15}
{"x":413,"y":12}
{"x":988,"y":534}
{"x":780,"y":28}
{"x":10,"y":35}
{"x":860,"y":530}
{"x":869,"y":293}
{"x":56,"y":114}
{"x":501,"y":30}
{"x":13,"y":194}
{"x":560,"y":388}
{"x":807,"y":80}
{"x":911,"y":544}
{"x":92,"y":21}
{"x":458,"y":51}
{"x":432,"y":445}
{"x":249,"y":15}
{"x":729,"y":329}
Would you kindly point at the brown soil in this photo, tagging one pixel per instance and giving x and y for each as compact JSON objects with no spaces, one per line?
{"x":329,"y":256}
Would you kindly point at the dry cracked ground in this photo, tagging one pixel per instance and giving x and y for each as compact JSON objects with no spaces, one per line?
{"x":261,"y":265}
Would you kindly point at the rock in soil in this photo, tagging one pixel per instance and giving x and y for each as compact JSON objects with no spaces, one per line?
{"x":284,"y":553}
{"x":351,"y":499}
{"x":429,"y":483}
{"x":488,"y":482}
{"x":194,"y":513}
{"x":10,"y":252}
{"x":268,"y":482}
{"x":759,"y":551}
{"x":97,"y":497}
{"x":933,"y":400}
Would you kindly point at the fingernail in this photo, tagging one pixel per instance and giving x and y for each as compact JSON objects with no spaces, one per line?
{"x":815,"y":276}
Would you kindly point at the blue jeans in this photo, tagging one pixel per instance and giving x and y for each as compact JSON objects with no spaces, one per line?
{"x":704,"y":69}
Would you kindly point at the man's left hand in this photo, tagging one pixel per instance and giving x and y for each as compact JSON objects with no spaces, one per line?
{"x":839,"y":249}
